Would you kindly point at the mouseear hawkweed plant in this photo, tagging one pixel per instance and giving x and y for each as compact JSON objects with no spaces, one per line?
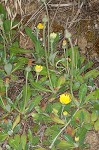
{"x":58,"y":101}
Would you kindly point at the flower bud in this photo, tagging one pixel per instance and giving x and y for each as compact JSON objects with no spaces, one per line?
{"x":77,"y":138}
{"x":53,"y":36}
{"x":65,"y":113}
{"x":38,"y":68}
{"x":67,"y":34}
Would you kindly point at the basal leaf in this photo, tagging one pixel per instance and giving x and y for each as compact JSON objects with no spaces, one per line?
{"x":8,"y":68}
{"x":69,"y":138}
{"x":3,"y":136}
{"x":7,"y":25}
{"x":34,"y":102}
{"x":94,"y":115}
{"x":56,"y":119}
{"x":64,"y":145}
{"x":17,"y":120}
{"x":91,"y":74}
{"x":23,"y":141}
{"x":82,"y":92}
{"x":38,"y":48}
{"x":2,"y":10}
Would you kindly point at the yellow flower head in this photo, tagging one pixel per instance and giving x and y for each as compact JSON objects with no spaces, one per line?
{"x":53,"y":35}
{"x":40,"y":26}
{"x":76,"y":138}
{"x":38,"y":68}
{"x":65,"y":98}
{"x":65,"y":113}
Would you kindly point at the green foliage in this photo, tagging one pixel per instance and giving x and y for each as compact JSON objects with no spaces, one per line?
{"x":33,"y":117}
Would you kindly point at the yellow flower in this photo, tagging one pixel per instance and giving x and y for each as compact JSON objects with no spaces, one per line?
{"x":40,"y":26}
{"x":38,"y":68}
{"x":65,"y":98}
{"x":76,"y":138}
{"x":65,"y":113}
{"x":53,"y":36}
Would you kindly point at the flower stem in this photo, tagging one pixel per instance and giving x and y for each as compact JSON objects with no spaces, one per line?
{"x":26,"y":84}
{"x":37,"y":75}
{"x":6,"y":92}
{"x":46,"y":57}
{"x":47,"y":25}
{"x":72,"y":67}
{"x":51,"y":47}
{"x":62,"y":111}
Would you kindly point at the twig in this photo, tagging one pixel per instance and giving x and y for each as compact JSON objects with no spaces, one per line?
{"x":61,"y":5}
{"x":75,"y":17}
{"x":55,"y":13}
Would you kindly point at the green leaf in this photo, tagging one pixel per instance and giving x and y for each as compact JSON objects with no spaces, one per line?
{"x":85,"y":67}
{"x":23,"y":141}
{"x":88,"y":126}
{"x":1,"y":83}
{"x":92,"y":96}
{"x":3,"y":136}
{"x":30,"y":135}
{"x":26,"y":95}
{"x":17,"y":66}
{"x":69,"y":138}
{"x":76,"y":85}
{"x":14,"y":143}
{"x":2,"y":103}
{"x":61,"y":81}
{"x":17,"y":139}
{"x":64,"y":145}
{"x":7,"y":25}
{"x":35,"y":102}
{"x":82,"y":92}
{"x":85,"y":117}
{"x":91,"y":74}
{"x":17,"y":99}
{"x":16,"y":50}
{"x":2,"y":10}
{"x":94,"y":115}
{"x":30,"y":34}
{"x":35,"y":140}
{"x":39,"y":87}
{"x":96,"y":125}
{"x":38,"y":48}
{"x":1,"y":46}
{"x":8,"y":68}
{"x":57,"y":106}
{"x":96,"y":105}
{"x":56,"y":119}
{"x":17,"y":120}
{"x":53,"y":79}
{"x":82,"y":134}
